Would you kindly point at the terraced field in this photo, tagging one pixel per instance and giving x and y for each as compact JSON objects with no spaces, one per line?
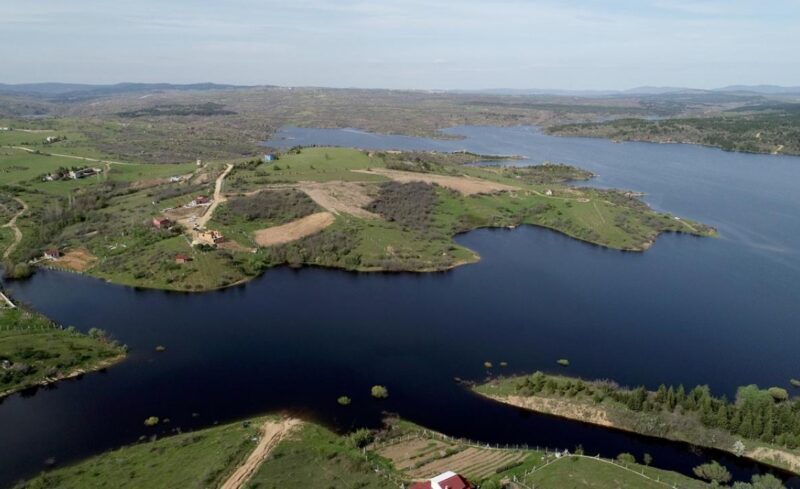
{"x":423,"y":458}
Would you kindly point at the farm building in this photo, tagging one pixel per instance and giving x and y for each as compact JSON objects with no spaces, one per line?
{"x":447,"y":480}
{"x":161,"y":222}
{"x":201,"y":199}
{"x":83,"y":173}
{"x":52,"y":254}
{"x":180,"y":258}
{"x":209,"y":237}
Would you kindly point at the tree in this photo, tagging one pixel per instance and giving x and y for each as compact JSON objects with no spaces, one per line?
{"x":647,"y":459}
{"x":344,"y":401}
{"x":739,"y":448}
{"x":766,"y":481}
{"x":360,"y":438}
{"x":713,"y":472}
{"x":626,"y":458}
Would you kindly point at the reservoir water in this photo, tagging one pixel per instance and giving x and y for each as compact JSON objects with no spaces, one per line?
{"x":720,"y":311}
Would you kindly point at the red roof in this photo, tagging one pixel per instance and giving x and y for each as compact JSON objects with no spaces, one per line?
{"x":455,"y":482}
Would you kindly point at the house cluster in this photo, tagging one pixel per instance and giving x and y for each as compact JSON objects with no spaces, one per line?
{"x":447,"y":480}
{"x":74,"y":174}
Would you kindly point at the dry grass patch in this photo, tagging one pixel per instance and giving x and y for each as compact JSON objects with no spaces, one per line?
{"x":338,"y":196}
{"x":286,"y":233}
{"x":465,"y":185}
{"x":79,"y":260}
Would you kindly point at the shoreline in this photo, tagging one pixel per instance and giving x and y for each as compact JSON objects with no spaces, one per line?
{"x":101,"y":365}
{"x":598,"y":416}
{"x":476,"y":258}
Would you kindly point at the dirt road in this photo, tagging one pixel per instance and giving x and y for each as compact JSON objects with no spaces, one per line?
{"x":272,"y":432}
{"x":13,"y":225}
{"x":218,"y":198}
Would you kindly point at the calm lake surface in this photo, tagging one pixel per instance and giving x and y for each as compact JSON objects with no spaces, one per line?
{"x":722,"y":312}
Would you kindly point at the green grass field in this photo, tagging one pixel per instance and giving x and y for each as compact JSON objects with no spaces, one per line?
{"x":316,"y":458}
{"x":197,"y":460}
{"x":34,"y":350}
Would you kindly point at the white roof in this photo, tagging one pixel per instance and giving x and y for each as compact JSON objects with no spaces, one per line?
{"x":441,"y":477}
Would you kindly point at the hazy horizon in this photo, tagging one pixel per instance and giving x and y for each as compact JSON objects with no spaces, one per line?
{"x":435,"y":45}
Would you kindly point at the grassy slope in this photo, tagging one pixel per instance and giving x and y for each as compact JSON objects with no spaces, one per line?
{"x":315,"y":458}
{"x":188,"y":461}
{"x":49,"y":352}
{"x":587,"y":473}
{"x":312,"y":458}
{"x":672,"y":426}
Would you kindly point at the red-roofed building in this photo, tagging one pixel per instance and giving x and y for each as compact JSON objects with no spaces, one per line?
{"x":447,"y":480}
{"x":161,"y":222}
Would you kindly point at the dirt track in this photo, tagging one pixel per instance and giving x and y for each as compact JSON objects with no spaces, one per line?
{"x":13,"y":225}
{"x":286,"y":233}
{"x":465,"y":185}
{"x":272,"y":432}
{"x":218,"y":198}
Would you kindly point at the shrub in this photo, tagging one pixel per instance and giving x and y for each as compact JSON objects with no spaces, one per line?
{"x":344,"y":401}
{"x":409,"y":204}
{"x":563,"y":362}
{"x":778,"y":393}
{"x":151,"y":421}
{"x":379,"y":392}
{"x":713,"y":472}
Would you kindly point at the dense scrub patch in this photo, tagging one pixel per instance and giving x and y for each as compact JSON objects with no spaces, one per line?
{"x":269,"y":205}
{"x":409,"y":204}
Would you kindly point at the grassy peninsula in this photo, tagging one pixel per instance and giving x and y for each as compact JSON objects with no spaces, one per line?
{"x":224,"y":222}
{"x":272,"y":452}
{"x":35,"y":351}
{"x":760,"y":424}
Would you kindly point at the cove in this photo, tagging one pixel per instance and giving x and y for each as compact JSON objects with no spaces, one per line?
{"x":716,"y":311}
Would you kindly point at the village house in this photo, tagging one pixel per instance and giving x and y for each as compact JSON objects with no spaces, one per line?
{"x":209,"y":237}
{"x":180,"y":258}
{"x":161,"y":222}
{"x":201,"y":200}
{"x":52,"y":254}
{"x":447,"y":480}
{"x":83,"y":173}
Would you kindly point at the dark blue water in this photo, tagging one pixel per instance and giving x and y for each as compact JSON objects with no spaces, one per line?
{"x":717,"y":311}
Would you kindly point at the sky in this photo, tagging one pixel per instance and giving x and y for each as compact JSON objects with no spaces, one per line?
{"x":416,"y":44}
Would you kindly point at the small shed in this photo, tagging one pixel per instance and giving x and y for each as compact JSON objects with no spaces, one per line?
{"x":181,"y":258}
{"x":161,"y":222}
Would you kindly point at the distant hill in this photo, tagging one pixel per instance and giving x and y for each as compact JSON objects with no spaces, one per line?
{"x":73,"y":91}
{"x":762,"y":89}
